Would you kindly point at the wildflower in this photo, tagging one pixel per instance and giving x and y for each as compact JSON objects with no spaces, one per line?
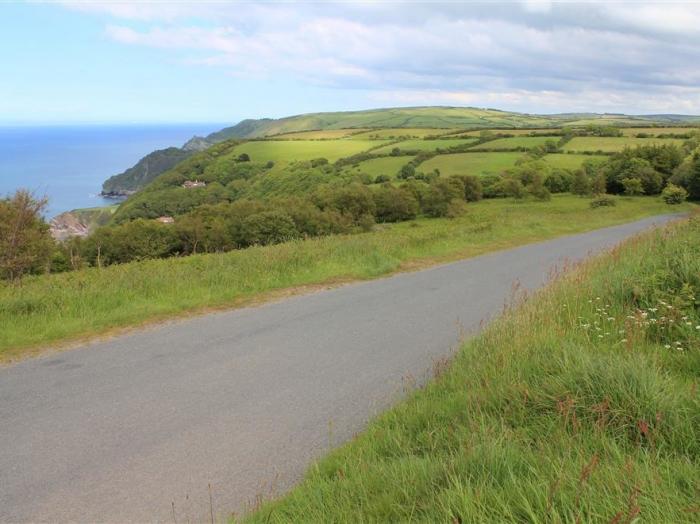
{"x":623,"y":340}
{"x":667,"y":346}
{"x":611,"y":318}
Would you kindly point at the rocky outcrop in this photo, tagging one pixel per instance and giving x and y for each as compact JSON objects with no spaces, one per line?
{"x":67,"y":225}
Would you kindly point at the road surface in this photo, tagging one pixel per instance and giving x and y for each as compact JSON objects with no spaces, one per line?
{"x":137,"y":428}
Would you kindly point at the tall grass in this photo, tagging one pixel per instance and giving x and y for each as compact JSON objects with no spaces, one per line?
{"x":53,"y":308}
{"x":579,"y":405}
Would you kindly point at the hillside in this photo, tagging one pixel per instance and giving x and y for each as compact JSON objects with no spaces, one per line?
{"x":445,"y":118}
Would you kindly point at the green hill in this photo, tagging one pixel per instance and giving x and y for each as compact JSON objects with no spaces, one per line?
{"x":439,"y":120}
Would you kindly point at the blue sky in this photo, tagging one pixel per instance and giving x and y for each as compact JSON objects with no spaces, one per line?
{"x":222,"y":61}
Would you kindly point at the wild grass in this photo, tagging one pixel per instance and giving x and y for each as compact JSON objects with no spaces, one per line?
{"x":49,"y":309}
{"x":614,"y":144}
{"x":471,"y":163}
{"x":580,"y":405}
{"x":386,"y":165}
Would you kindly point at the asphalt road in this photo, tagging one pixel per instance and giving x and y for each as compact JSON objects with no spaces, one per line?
{"x":137,"y":428}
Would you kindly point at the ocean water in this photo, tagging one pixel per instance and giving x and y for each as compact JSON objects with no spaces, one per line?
{"x":69,"y":163}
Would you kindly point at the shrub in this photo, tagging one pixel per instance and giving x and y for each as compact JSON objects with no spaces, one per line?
{"x":395,"y":204}
{"x":473,"y":190}
{"x":268,"y":227}
{"x":603,"y":201}
{"x":456,"y":208}
{"x":381,"y":179}
{"x":673,"y":194}
{"x":633,"y":186}
{"x":581,"y":184}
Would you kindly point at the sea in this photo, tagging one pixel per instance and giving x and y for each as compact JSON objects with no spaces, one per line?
{"x":68,"y":164}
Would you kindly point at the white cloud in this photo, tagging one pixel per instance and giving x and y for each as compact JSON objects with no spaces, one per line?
{"x":536,"y":52}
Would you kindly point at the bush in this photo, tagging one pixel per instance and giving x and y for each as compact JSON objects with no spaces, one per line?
{"x":603,"y":201}
{"x":633,"y":186}
{"x":456,"y":208}
{"x":395,"y":204}
{"x":473,"y":190}
{"x":268,"y":227}
{"x":673,"y":195}
{"x":381,"y":179}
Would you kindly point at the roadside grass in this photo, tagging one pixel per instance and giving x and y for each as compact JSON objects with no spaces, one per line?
{"x":74,"y":306}
{"x":580,"y":404}
{"x":471,"y":163}
{"x":614,"y":144}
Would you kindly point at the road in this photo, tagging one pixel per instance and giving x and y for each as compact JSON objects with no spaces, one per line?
{"x":137,"y":428}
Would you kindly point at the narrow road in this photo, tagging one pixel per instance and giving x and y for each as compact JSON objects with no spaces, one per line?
{"x":137,"y":428}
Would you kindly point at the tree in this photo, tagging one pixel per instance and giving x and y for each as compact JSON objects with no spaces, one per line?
{"x":581,"y":184}
{"x":268,"y":227}
{"x":394,"y":204}
{"x":25,"y":242}
{"x":473,"y":190}
{"x":599,"y":185}
{"x":694,"y":179}
{"x":538,"y":190}
{"x":244,"y":157}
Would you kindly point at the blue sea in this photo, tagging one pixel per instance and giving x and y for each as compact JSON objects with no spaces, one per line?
{"x":69,"y":163}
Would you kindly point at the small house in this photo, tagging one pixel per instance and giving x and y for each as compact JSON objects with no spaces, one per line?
{"x":165,"y":220}
{"x":189,"y":184}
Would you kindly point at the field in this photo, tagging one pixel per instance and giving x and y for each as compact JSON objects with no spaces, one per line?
{"x":527,"y":142}
{"x":425,"y":145}
{"x":471,"y":163}
{"x":54,"y":308}
{"x":655,"y":131}
{"x":515,"y":132}
{"x":581,"y":405}
{"x":388,"y":165}
{"x":408,"y":132}
{"x":288,"y":150}
{"x":320,"y":134}
{"x":614,"y":144}
{"x":570,"y":161}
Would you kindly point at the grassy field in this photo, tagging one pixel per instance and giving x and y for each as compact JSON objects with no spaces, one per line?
{"x":515,"y":132}
{"x":425,"y":145}
{"x":388,"y":165}
{"x":614,"y":144}
{"x":516,"y":142}
{"x":569,"y":161}
{"x":632,"y":131}
{"x":321,"y":134}
{"x":52,"y":308}
{"x":409,"y":132}
{"x":288,"y":150}
{"x":471,"y":163}
{"x":581,"y":405}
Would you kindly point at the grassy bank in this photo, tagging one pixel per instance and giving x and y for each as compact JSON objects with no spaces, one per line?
{"x":581,"y":405}
{"x":54,"y":308}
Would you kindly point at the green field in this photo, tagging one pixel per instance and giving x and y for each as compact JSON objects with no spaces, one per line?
{"x":471,"y":163}
{"x":614,"y":144}
{"x":320,"y":134}
{"x":424,"y":145}
{"x":409,"y":132}
{"x":570,"y":161}
{"x":517,"y":142}
{"x":388,"y":165}
{"x":289,"y":150}
{"x":515,"y":132}
{"x":655,"y":131}
{"x":49,"y":309}
{"x":581,"y":405}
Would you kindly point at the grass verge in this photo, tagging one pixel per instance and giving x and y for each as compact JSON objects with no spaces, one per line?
{"x":53,"y":309}
{"x":579,"y":405}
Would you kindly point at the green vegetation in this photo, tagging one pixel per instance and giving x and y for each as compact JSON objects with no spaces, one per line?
{"x":424,"y":145}
{"x":471,"y":163}
{"x":289,"y":150}
{"x":615,"y":144}
{"x":581,"y":405}
{"x":387,"y":165}
{"x":146,"y":170}
{"x":50,"y":308}
{"x":516,"y":143}
{"x":570,"y":161}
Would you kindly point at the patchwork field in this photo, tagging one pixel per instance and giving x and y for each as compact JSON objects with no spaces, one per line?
{"x":614,"y":144}
{"x":425,"y":145}
{"x":320,"y":134}
{"x":515,"y":132}
{"x":517,"y":142}
{"x":419,"y":132}
{"x":388,"y":165}
{"x":289,"y":150}
{"x":471,"y":163}
{"x":632,"y":131}
{"x":570,"y":161}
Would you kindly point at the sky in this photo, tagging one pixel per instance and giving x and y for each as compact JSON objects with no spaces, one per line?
{"x":158,"y":62}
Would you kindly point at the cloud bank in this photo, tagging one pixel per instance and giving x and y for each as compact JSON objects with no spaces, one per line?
{"x":537,"y":56}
